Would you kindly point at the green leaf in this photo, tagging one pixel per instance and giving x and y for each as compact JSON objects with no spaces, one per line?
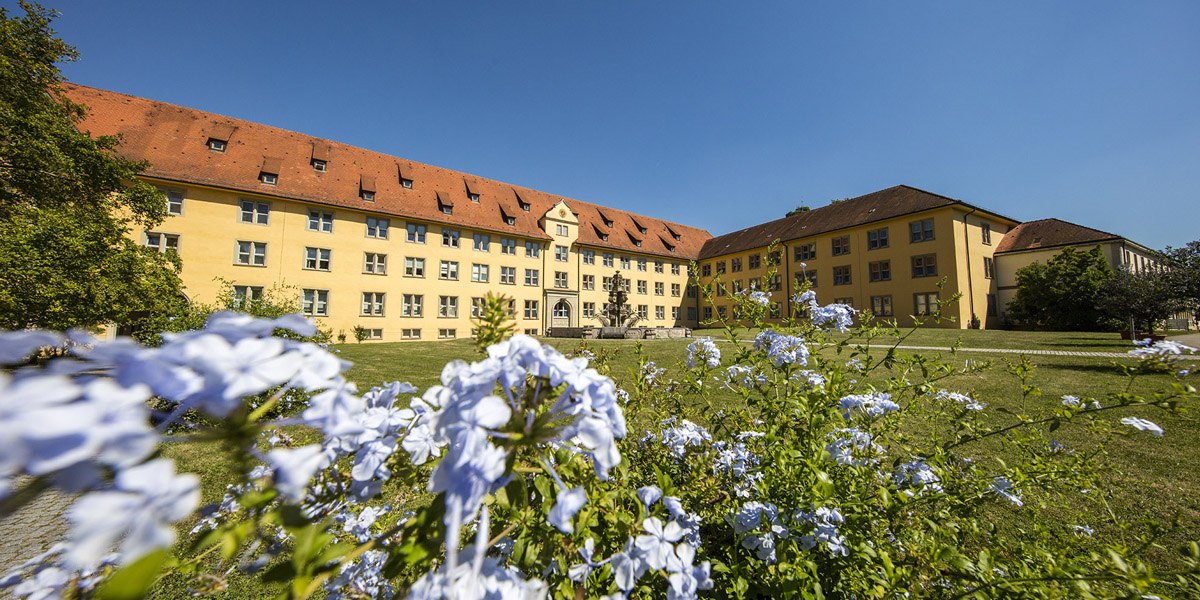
{"x":134,"y":580}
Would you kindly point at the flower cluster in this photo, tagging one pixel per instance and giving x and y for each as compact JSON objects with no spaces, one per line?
{"x":761,"y":528}
{"x":916,"y":477}
{"x":737,"y":462}
{"x":963,"y":400}
{"x":678,"y":438}
{"x":743,"y":375}
{"x":852,"y":446}
{"x":703,"y":351}
{"x":1162,"y":350}
{"x":782,"y":349}
{"x":871,"y":405}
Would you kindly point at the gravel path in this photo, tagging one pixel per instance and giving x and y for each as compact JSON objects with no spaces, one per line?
{"x":32,"y":529}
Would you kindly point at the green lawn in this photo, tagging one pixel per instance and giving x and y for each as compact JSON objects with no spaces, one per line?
{"x":1151,"y":477}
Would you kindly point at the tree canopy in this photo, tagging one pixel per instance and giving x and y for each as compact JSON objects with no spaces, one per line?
{"x":1063,"y":293}
{"x":1184,"y":275}
{"x":1146,"y":297}
{"x":68,"y":201}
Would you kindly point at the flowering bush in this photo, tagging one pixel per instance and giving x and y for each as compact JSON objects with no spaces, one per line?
{"x":516,"y":475}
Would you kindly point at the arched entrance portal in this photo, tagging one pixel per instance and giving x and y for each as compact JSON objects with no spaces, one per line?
{"x":561,"y":315}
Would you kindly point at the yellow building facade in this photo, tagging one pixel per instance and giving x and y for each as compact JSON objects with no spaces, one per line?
{"x":886,"y":252}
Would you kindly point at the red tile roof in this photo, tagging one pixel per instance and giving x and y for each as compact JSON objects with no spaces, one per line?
{"x":877,"y":206}
{"x":174,"y":140}
{"x":1050,"y":233}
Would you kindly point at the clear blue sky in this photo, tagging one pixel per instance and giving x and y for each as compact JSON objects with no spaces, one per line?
{"x":719,"y":115}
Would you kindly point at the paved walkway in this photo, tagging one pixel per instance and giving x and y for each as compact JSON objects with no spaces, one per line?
{"x":1187,"y":339}
{"x":1030,"y":352}
{"x":32,"y":529}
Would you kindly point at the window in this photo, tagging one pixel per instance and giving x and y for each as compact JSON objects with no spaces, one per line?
{"x":531,"y":277}
{"x":841,"y":275}
{"x":877,"y":238}
{"x":589,"y":257}
{"x":560,"y":279}
{"x":675,"y":313}
{"x":508,"y":246}
{"x":754,"y":261}
{"x":991,"y":305}
{"x":607,"y":259}
{"x":377,"y":228}
{"x":366,"y":195}
{"x":735,"y":265}
{"x":412,"y":305}
{"x":410,"y":334}
{"x":320,"y":221}
{"x":986,"y":231}
{"x":720,"y":268}
{"x":508,"y":220}
{"x":805,"y":251}
{"x":920,"y":231}
{"x":705,"y":270}
{"x":482,"y":242}
{"x":216,"y":145}
{"x":925,"y":304}
{"x":448,"y":270}
{"x":252,"y":253}
{"x":643,"y":311}
{"x":625,"y":262}
{"x":447,"y":334}
{"x":708,"y":313}
{"x":414,"y":267}
{"x":660,"y":312}
{"x":315,"y":303}
{"x":847,"y":301}
{"x":449,"y":238}
{"x":532,"y":249}
{"x":881,"y":306}
{"x":737,"y":286}
{"x":658,"y":266}
{"x":508,"y":275}
{"x":375,"y":264}
{"x":589,"y":309}
{"x":163,"y":242}
{"x":319,"y":165}
{"x":317,"y":258}
{"x":562,"y":230}
{"x":691,"y":313}
{"x":775,"y":282}
{"x":607,"y":284}
{"x":659,"y":288}
{"x":675,"y":289}
{"x":406,"y":183}
{"x":268,"y":178}
{"x":244,"y":293}
{"x":808,"y":276}
{"x":479,"y":273}
{"x":641,"y":264}
{"x":174,"y":201}
{"x":589,"y":282}
{"x":560,"y":253}
{"x":448,"y":306}
{"x":523,"y":204}
{"x":774,"y":257}
{"x":989,"y":267}
{"x":531,"y":309}
{"x":477,"y":305}
{"x":258,"y":213}
{"x":840,"y":245}
{"x":562,"y":310}
{"x":924,"y":265}
{"x":473,"y":197}
{"x":641,"y":286}
{"x":722,"y":290}
{"x":372,"y":304}
{"x":416,"y":233}
{"x":881,"y":270}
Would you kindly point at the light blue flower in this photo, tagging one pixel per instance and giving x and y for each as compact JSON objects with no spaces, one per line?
{"x":649,"y":495}
{"x":1143,"y":425}
{"x":703,"y":351}
{"x":872,"y":405}
{"x":293,"y":469}
{"x":565,"y":507}
{"x":658,"y":541}
{"x":781,"y":348}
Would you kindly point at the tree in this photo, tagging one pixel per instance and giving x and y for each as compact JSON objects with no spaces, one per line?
{"x":67,"y":200}
{"x":1184,"y":275}
{"x":803,"y":208}
{"x":1062,"y":294}
{"x":1148,"y":298}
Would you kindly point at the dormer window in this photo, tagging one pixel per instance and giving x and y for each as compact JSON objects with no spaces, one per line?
{"x":219,"y":135}
{"x":472,"y":191}
{"x":320,"y":156}
{"x":604,"y":237}
{"x":669,"y":247}
{"x":673,"y":234}
{"x":607,"y":221}
{"x":406,"y":183}
{"x":641,"y":230}
{"x":445,"y":204}
{"x":523,"y":205}
{"x":269,"y":172}
{"x":633,"y":240}
{"x":366,"y":188}
{"x":405,"y":177}
{"x":508,"y":219}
